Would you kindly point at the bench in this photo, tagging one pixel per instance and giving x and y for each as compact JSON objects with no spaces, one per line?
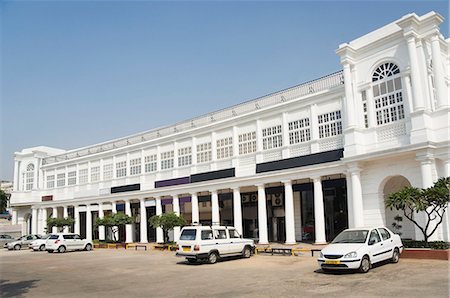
{"x":314,"y":250}
{"x":281,"y":250}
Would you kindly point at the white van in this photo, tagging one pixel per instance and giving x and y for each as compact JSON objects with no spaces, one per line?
{"x":211,"y":243}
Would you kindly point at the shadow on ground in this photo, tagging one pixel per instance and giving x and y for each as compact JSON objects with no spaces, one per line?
{"x":16,"y":289}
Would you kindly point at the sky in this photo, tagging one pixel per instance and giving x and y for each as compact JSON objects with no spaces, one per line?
{"x":77,"y":73}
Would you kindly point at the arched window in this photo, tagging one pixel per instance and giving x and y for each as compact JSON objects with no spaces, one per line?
{"x":29,"y":176}
{"x":387,"y":94}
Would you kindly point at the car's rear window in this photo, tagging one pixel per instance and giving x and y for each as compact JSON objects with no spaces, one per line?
{"x":188,"y":234}
{"x":207,"y":235}
{"x":53,"y":237}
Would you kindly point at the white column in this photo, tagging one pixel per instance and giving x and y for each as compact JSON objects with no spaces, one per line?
{"x":55,"y":215}
{"x":44,"y":221}
{"x":438,"y":72}
{"x":349,"y":98}
{"x":289,"y":212}
{"x":446,"y":220}
{"x":14,"y":217}
{"x":415,"y":75}
{"x":237,"y":210}
{"x":357,"y":201}
{"x":176,"y":209}
{"x":319,"y":217}
{"x":195,"y":213}
{"x":16,"y":176}
{"x":34,"y":220}
{"x":76,"y":216}
{"x":215,"y":208}
{"x":426,"y":170}
{"x":101,"y":229}
{"x":128,"y":227}
{"x":262,"y":215}
{"x":159,"y":231}
{"x":65,"y":215}
{"x":144,"y":223}
{"x":88,"y":222}
{"x":115,"y":229}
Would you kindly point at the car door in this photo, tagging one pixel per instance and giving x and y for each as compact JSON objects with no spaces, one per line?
{"x":26,"y":241}
{"x":387,"y":243}
{"x":220,"y":238}
{"x":69,"y":242}
{"x":375,"y":246}
{"x":235,"y":241}
{"x":78,"y":242}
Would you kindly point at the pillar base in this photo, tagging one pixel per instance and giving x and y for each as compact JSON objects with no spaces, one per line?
{"x":320,"y":242}
{"x":290,"y":242}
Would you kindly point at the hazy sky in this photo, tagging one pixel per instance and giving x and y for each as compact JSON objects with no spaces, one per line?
{"x":78,"y":73}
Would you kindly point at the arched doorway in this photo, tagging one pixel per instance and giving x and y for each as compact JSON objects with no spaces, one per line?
{"x":394,"y":184}
{"x":27,"y":224}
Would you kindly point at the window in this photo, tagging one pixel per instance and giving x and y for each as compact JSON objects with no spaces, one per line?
{"x":50,"y":181}
{"x":204,"y":153}
{"x":72,"y":178}
{"x":121,"y":169}
{"x":330,"y":124}
{"x":107,"y":171}
{"x":29,"y":177}
{"x":234,"y":234}
{"x":167,"y":160}
{"x":83,"y":176}
{"x":247,"y":143}
{"x":384,"y":233}
{"x":364,"y":105}
{"x":207,"y":235}
{"x":272,"y":137}
{"x":224,"y":148}
{"x":61,"y":179}
{"x":220,"y":234}
{"x":95,"y":174}
{"x":387,"y":94}
{"x":184,"y":156}
{"x":374,"y":237}
{"x":299,"y":131}
{"x":135,"y":166}
{"x":68,"y":237}
{"x":150,"y":163}
{"x":188,"y":234}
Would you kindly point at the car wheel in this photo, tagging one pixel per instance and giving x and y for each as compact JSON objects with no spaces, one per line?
{"x":365,"y":265}
{"x":192,"y":261}
{"x":42,"y":247}
{"x":395,"y":256}
{"x":88,"y":247}
{"x":212,"y":258}
{"x":61,"y":249}
{"x":17,"y":247}
{"x":247,"y":252}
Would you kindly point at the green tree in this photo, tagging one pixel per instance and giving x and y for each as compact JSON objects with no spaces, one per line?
{"x":432,"y":201}
{"x":167,"y":221}
{"x":60,"y":222}
{"x":3,"y":201}
{"x":115,"y":220}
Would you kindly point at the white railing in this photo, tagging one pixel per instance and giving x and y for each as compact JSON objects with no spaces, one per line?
{"x":322,"y":84}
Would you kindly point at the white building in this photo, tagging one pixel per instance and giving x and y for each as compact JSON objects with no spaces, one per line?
{"x":296,"y":165}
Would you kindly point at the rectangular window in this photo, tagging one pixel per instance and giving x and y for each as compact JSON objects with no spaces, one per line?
{"x":204,"y":152}
{"x":61,"y":179}
{"x":184,"y":156}
{"x":247,"y":143}
{"x":95,"y":174}
{"x":331,"y":124}
{"x":135,"y":166}
{"x":72,"y":178}
{"x":29,"y":180}
{"x":224,"y":148}
{"x":108,"y":171}
{"x":299,"y":131}
{"x":83,"y":176}
{"x":121,"y":169}
{"x":167,"y":160}
{"x":389,"y":105}
{"x":364,"y":105}
{"x":50,"y":181}
{"x":150,"y":163}
{"x":272,"y":137}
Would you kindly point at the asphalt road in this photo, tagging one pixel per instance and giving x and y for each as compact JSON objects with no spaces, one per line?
{"x":120,"y":273}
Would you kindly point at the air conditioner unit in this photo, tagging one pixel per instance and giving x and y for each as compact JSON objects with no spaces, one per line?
{"x":245,"y":198}
{"x":254,"y":198}
{"x":277,"y":200}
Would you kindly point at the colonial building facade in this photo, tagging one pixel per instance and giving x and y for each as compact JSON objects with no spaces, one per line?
{"x":300,"y":164}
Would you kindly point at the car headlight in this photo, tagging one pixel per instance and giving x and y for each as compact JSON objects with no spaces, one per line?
{"x":350,"y":255}
{"x":321,"y":255}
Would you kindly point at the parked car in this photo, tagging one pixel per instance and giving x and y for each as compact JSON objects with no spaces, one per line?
{"x":39,"y":244}
{"x":4,"y":239}
{"x":211,"y":243}
{"x":360,"y":248}
{"x":22,"y":242}
{"x":63,"y":242}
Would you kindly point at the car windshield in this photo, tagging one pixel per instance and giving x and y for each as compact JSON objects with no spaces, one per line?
{"x":351,"y":236}
{"x":188,"y":234}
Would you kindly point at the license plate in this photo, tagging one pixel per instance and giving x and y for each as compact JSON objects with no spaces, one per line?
{"x":332,"y":262}
{"x":186,"y":249}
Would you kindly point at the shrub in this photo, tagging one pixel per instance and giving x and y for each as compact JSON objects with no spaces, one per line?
{"x":423,"y":244}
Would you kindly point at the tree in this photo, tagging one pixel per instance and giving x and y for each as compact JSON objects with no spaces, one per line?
{"x":3,"y":201}
{"x":59,"y":222}
{"x":432,"y":201}
{"x":114,"y":220}
{"x":166,"y":221}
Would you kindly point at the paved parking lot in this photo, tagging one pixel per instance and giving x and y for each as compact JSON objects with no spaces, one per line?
{"x":119,"y":273}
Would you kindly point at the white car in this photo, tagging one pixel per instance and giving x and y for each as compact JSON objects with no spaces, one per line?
{"x":39,"y":244}
{"x":211,"y":243}
{"x":63,"y":242}
{"x":360,"y":248}
{"x":22,"y":242}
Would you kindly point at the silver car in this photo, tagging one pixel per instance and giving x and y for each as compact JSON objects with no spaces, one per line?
{"x":22,"y":242}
